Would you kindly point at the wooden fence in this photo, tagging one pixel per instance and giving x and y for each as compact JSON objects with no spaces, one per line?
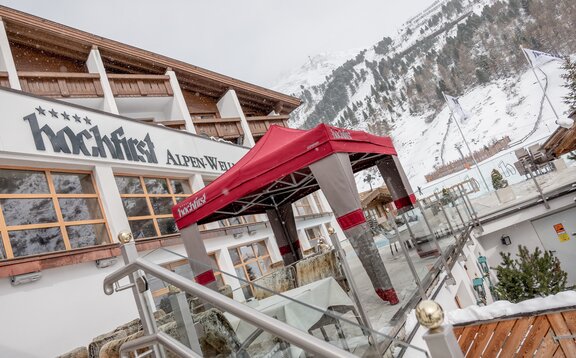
{"x":467,"y":162}
{"x":548,"y":334}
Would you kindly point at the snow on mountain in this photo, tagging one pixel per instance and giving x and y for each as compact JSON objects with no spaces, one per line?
{"x":313,"y":72}
{"x":462,"y":47}
{"x":507,"y":107}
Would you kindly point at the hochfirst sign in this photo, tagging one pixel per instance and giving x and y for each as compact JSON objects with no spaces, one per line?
{"x":42,"y":127}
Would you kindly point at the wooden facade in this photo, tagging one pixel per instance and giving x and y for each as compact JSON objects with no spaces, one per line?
{"x":61,"y":84}
{"x":260,"y":124}
{"x":225,"y":128}
{"x":59,"y":48}
{"x":140,"y":85}
{"x":550,"y":334}
{"x":562,"y":141}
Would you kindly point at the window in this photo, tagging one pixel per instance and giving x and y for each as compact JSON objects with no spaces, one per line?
{"x":148,"y":203}
{"x":250,"y":262}
{"x":313,"y":233}
{"x":238,"y":220}
{"x":303,"y":207}
{"x":45,"y":211}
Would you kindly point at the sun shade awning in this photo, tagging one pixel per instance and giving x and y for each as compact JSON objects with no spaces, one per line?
{"x":275,"y":172}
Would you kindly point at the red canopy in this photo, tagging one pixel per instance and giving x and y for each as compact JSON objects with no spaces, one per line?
{"x":275,"y":171}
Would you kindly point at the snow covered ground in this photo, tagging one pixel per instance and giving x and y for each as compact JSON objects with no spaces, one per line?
{"x":506,"y":108}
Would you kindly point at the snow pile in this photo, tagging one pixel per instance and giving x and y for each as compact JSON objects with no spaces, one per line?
{"x":500,"y":309}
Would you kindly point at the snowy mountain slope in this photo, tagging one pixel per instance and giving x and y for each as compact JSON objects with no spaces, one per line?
{"x":464,"y":48}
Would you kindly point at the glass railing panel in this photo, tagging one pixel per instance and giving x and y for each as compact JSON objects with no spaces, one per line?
{"x":324,"y":309}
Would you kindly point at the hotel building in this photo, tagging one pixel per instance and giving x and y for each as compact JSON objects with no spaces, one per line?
{"x":99,"y":137}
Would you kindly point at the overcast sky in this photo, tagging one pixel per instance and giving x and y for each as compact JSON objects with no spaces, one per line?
{"x":253,"y":40}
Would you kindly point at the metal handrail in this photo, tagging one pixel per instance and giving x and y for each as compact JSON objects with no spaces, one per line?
{"x":157,"y":338}
{"x":288,"y":333}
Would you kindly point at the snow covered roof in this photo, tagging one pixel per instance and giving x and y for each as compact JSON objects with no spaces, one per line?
{"x":506,"y":309}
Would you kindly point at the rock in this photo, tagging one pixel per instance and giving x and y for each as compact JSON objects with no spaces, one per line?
{"x":112,"y":348}
{"x":80,"y":352}
{"x":100,"y":341}
{"x":219,"y":338}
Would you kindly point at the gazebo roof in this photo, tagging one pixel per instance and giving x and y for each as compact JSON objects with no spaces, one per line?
{"x":275,"y":172}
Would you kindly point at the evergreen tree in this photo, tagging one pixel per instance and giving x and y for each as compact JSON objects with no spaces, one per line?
{"x":570,"y":83}
{"x":531,"y":275}
{"x":498,"y":182}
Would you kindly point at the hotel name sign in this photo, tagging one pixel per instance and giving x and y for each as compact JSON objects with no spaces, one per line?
{"x":69,"y":131}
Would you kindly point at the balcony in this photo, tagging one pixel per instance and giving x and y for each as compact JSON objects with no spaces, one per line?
{"x":225,"y":128}
{"x":259,"y":125}
{"x":140,"y":85}
{"x":4,"y":82}
{"x":60,"y":84}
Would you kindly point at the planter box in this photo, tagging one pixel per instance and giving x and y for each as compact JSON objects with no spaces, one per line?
{"x":505,"y":194}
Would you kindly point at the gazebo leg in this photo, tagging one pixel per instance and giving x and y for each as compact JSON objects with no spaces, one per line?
{"x":335,"y":177}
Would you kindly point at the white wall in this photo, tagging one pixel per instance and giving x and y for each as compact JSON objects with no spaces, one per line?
{"x":65,"y":309}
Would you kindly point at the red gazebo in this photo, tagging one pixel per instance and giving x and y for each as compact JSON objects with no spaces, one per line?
{"x":286,"y":165}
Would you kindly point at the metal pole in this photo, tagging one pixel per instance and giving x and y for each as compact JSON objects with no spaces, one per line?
{"x":474,"y":213}
{"x":539,"y":83}
{"x":409,"y":260}
{"x":466,"y":142}
{"x":467,"y":210}
{"x":251,"y":316}
{"x":353,"y":288}
{"x":139,"y":288}
{"x":445,"y":214}
{"x":442,"y":258}
{"x":529,"y":172}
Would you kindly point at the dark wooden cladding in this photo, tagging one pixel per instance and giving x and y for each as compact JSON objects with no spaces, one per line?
{"x":4,"y":81}
{"x":123,"y":85}
{"x":32,"y":59}
{"x":562,"y":141}
{"x":35,"y":41}
{"x":199,"y":104}
{"x":61,"y":84}
{"x":225,"y":128}
{"x":259,"y":125}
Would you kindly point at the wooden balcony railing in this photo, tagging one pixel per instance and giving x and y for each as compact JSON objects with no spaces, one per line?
{"x":140,"y":85}
{"x":544,"y":335}
{"x":4,"y":82}
{"x":61,"y":84}
{"x":226,"y":128}
{"x":259,"y":125}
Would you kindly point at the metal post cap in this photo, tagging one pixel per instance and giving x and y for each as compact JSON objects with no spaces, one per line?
{"x":430,"y":314}
{"x":125,"y":237}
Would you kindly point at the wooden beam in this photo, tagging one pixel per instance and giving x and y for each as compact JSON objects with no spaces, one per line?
{"x":73,"y":36}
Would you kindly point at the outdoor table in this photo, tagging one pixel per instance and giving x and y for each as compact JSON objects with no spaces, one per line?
{"x":321,"y":294}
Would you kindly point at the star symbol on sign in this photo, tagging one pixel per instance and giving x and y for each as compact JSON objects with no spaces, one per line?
{"x":53,"y":113}
{"x":65,"y":115}
{"x":77,"y":118}
{"x":41,"y":110}
{"x":87,"y":120}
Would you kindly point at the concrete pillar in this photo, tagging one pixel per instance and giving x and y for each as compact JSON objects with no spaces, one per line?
{"x":6,"y":59}
{"x":229,"y":107}
{"x":304,"y":242}
{"x":226,"y":265}
{"x":179,"y":106}
{"x":111,"y":200}
{"x":335,"y":177}
{"x":197,"y":183}
{"x":95,"y":65}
